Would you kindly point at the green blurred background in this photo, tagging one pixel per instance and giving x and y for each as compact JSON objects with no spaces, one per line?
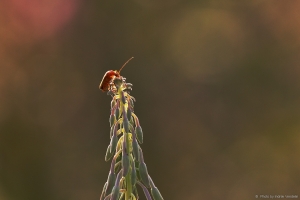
{"x":217,"y":85}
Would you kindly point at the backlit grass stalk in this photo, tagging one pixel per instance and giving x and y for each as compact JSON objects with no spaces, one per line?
{"x":128,"y":168}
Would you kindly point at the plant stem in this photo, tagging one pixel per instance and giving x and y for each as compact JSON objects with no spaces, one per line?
{"x":128,"y":176}
{"x":129,"y":187}
{"x":126,"y":137}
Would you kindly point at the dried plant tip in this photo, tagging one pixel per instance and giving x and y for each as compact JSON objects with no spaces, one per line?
{"x":143,"y":171}
{"x":139,"y":133}
{"x":108,"y":154}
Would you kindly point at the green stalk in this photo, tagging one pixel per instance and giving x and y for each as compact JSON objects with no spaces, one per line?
{"x":126,"y":136}
{"x":129,"y":187}
{"x":128,"y":176}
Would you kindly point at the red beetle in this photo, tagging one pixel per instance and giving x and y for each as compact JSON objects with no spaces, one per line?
{"x":109,"y":76}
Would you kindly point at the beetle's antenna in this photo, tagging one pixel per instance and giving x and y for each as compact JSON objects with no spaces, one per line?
{"x":125,"y":64}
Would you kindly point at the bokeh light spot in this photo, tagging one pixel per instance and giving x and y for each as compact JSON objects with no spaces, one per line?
{"x":35,"y":19}
{"x":206,"y":43}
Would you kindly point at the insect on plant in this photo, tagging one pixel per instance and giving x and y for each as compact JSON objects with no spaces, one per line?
{"x":109,"y":76}
{"x":128,"y":168}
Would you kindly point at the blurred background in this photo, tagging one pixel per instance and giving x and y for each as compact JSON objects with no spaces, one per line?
{"x":217,"y":87}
